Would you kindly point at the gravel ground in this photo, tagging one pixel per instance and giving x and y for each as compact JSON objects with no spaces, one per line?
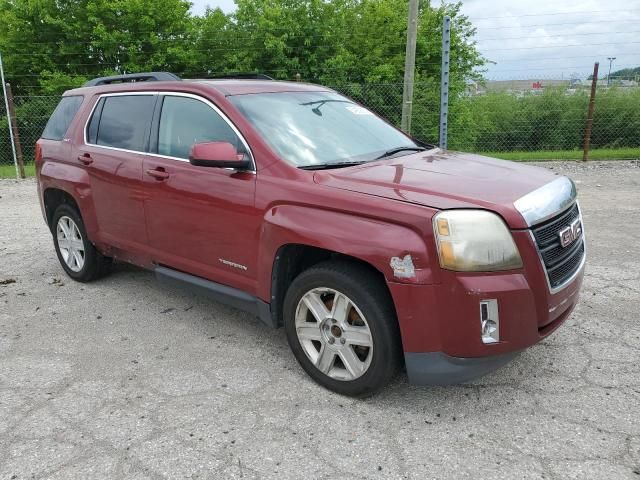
{"x":126,"y":378}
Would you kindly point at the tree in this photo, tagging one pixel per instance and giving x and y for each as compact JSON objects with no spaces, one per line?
{"x":356,"y":46}
{"x":46,"y":41}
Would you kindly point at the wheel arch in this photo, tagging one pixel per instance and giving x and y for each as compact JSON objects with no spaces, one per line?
{"x":52,"y":199}
{"x":294,"y":258}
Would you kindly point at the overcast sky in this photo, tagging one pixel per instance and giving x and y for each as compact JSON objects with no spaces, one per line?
{"x":531,"y":39}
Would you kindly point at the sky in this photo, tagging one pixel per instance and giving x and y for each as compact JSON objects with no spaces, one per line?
{"x":544,"y":39}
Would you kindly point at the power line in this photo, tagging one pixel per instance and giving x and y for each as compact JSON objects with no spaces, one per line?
{"x":585,"y":22}
{"x":242,"y":37}
{"x":127,"y":56}
{"x":124,"y":52}
{"x":586,"y":12}
{"x":555,"y":36}
{"x":247,"y":36}
{"x":564,"y":46}
{"x":99,"y":65}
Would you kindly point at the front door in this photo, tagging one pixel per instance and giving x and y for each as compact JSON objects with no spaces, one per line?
{"x":200,"y":220}
{"x":113,"y":155}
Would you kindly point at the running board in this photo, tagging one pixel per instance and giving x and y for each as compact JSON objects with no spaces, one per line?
{"x":218,"y":292}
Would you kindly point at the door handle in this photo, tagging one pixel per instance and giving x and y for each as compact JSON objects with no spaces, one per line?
{"x":158,"y":174}
{"x":85,"y":158}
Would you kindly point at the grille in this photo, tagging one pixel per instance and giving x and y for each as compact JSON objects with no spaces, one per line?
{"x":560,"y":262}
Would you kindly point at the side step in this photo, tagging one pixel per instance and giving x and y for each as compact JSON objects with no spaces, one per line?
{"x":218,"y":292}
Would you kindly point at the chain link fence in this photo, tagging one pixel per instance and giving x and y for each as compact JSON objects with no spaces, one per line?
{"x":6,"y":157}
{"x":501,"y":120}
{"x":32,"y":113}
{"x":537,"y":118}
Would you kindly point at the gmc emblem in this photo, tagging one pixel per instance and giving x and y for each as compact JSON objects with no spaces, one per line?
{"x":570,"y":234}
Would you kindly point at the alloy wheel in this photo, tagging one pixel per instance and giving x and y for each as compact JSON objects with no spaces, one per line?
{"x":70,"y":243}
{"x":334,"y":334}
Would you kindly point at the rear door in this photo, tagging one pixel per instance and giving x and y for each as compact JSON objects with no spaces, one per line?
{"x":200,"y":220}
{"x":116,"y":141}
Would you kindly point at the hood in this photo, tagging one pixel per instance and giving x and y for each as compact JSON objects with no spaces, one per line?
{"x":444,"y":180}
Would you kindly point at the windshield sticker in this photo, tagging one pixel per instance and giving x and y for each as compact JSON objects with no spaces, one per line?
{"x":357,"y":110}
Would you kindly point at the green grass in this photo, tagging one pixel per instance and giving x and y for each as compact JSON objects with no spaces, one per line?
{"x":9,"y":171}
{"x":549,"y":155}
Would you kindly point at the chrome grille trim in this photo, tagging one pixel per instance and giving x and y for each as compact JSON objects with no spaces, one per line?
{"x":543,"y":238}
{"x":547,"y":201}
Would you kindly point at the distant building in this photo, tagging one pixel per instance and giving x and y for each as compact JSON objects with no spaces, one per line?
{"x":522,"y":86}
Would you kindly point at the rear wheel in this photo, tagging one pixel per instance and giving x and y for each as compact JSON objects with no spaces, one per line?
{"x":341,"y":326}
{"x":77,"y":255}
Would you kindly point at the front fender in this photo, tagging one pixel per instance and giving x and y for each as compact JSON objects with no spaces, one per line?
{"x":373,"y":241}
{"x":74,"y":181}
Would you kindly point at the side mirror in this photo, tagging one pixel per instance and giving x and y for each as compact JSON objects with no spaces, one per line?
{"x":218,"y":155}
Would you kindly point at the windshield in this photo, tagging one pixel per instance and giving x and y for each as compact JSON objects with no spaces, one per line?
{"x":320,"y":128}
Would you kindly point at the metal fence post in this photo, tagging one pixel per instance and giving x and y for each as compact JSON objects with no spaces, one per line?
{"x":444,"y":81}
{"x":6,"y":103}
{"x":13,"y":125}
{"x":592,"y":101}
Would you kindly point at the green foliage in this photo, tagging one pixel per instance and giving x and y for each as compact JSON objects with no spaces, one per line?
{"x":355,"y":46}
{"x":553,"y":120}
{"x":53,"y":45}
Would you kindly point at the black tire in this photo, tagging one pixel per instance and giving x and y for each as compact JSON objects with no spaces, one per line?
{"x":368,"y":292}
{"x":95,"y":265}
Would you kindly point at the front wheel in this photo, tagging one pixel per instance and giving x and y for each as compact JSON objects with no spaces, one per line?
{"x":342,"y":328}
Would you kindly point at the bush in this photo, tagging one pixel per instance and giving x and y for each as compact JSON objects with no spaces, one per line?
{"x":552,"y":120}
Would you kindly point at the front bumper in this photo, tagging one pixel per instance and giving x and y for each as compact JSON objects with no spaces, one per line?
{"x":437,"y":368}
{"x":441,"y":328}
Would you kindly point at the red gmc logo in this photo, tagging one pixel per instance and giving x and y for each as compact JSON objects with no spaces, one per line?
{"x":570,"y":234}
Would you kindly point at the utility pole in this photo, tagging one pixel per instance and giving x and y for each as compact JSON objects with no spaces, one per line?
{"x":611,"y":59}
{"x":409,"y":66}
{"x":592,"y":101}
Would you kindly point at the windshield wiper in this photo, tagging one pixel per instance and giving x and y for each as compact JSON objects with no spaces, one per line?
{"x":393,"y":151}
{"x":320,"y":103}
{"x":325,"y":166}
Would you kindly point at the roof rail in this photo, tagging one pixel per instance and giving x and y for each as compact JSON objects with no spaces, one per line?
{"x":243,"y":76}
{"x":133,"y":77}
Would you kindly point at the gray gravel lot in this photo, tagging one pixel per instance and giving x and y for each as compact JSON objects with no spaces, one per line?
{"x":127,"y":378}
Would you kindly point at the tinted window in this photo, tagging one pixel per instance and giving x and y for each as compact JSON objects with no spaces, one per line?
{"x":125,"y":120}
{"x":92,"y":129}
{"x":61,"y":118}
{"x":185,"y":121}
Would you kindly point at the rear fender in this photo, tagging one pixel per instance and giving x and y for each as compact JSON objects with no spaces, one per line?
{"x":74,"y":181}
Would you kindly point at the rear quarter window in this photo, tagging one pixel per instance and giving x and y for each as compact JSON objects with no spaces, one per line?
{"x":62,"y":117}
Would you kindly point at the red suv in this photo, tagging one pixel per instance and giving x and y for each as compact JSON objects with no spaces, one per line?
{"x":295,"y":203}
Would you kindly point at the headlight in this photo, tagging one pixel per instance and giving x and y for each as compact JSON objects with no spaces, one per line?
{"x":474,"y":241}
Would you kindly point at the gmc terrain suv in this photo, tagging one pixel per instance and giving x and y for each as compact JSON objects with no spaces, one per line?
{"x":292,"y":202}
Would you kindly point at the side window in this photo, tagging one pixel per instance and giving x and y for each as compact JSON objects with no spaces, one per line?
{"x":62,"y":117}
{"x":185,"y":121}
{"x":92,"y":129}
{"x":124,"y":122}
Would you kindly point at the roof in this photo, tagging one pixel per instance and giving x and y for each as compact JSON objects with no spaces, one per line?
{"x":224,"y":86}
{"x":243,"y":87}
